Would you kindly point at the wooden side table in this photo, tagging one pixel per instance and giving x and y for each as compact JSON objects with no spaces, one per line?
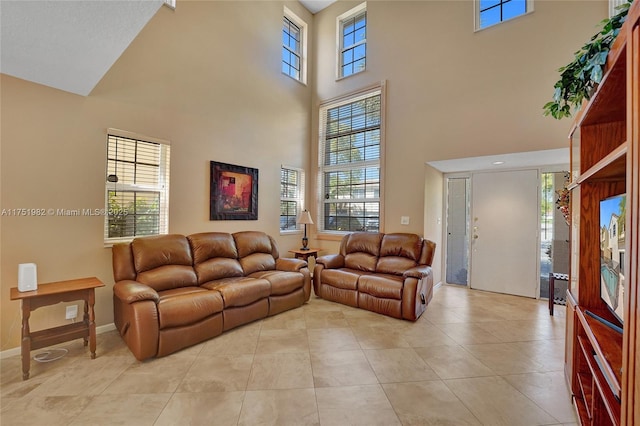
{"x":305,"y":254}
{"x":51,"y":294}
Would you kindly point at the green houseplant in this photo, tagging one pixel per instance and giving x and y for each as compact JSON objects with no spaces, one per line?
{"x":580,"y":78}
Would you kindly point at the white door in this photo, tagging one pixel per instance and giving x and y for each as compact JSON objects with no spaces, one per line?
{"x":504,"y":232}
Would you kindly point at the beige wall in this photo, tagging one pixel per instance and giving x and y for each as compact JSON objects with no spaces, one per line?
{"x":205,"y":77}
{"x":452,"y":92}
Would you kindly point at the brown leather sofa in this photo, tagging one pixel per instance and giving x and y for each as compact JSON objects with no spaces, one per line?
{"x":173,"y":291}
{"x":385,"y":273}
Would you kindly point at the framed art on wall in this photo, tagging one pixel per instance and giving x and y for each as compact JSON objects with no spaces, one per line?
{"x":234,"y":192}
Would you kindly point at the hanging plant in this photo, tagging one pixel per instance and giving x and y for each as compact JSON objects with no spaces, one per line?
{"x":580,"y":78}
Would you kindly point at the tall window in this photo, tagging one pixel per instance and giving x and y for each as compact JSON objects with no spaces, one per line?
{"x":137,"y":187}
{"x":349,"y":163}
{"x":352,"y":39}
{"x":291,"y":197}
{"x":491,"y":12}
{"x":294,"y":46}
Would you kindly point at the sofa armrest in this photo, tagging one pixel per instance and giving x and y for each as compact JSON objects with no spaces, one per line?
{"x":291,"y":265}
{"x":331,"y":261}
{"x":418,"y":272}
{"x":130,"y":291}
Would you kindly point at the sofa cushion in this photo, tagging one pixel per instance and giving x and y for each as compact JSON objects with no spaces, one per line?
{"x":381,"y":285}
{"x":404,"y":245}
{"x":168,"y":277}
{"x":282,"y":282}
{"x":187,"y":305}
{"x":361,"y":251}
{"x":399,"y":252}
{"x":208,"y":245}
{"x":240,"y":291}
{"x":160,"y":250}
{"x":249,"y":242}
{"x":257,"y":262}
{"x":341,"y":278}
{"x":396,"y":265}
{"x":218,"y":268}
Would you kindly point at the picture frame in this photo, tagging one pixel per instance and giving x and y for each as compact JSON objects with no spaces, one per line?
{"x":233,"y":192}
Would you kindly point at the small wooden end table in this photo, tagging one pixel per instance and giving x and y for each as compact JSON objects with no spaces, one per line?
{"x":305,"y":254}
{"x":51,"y":294}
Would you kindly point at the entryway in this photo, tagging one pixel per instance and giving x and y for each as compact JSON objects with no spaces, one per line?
{"x":504,"y":232}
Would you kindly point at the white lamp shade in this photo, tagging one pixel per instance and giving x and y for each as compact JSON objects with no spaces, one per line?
{"x":305,"y":218}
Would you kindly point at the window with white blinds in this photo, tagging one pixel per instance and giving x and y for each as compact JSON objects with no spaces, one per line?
{"x":137,"y":188}
{"x":350,"y":162}
{"x":291,"y":197}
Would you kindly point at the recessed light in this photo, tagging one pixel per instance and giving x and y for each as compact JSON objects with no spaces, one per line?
{"x":497,"y":163}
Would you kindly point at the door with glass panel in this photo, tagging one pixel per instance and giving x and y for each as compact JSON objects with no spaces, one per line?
{"x":457,"y":227}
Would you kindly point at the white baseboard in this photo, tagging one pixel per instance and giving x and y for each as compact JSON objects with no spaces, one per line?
{"x":16,"y":351}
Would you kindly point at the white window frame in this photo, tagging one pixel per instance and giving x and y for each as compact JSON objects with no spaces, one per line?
{"x":298,"y":198}
{"x":162,"y":188}
{"x":476,"y":15}
{"x":302,"y":53}
{"x":340,"y":48}
{"x":378,"y":89}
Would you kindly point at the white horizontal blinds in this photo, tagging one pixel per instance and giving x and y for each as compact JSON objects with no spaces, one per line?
{"x":291,"y":197}
{"x":137,"y":188}
{"x":613,"y":4}
{"x":350,"y":164}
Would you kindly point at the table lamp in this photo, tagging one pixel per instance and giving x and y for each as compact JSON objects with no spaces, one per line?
{"x":304,"y":218}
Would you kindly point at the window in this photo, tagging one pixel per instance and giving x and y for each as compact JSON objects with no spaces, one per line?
{"x":294,"y":46}
{"x":137,"y":188}
{"x":352,"y":39}
{"x":491,"y":12}
{"x":350,"y":154}
{"x":291,"y":197}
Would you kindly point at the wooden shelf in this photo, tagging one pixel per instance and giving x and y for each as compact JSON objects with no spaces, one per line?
{"x":611,"y":167}
{"x":607,"y":345}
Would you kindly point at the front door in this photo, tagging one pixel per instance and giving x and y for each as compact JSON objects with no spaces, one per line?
{"x":504,"y":232}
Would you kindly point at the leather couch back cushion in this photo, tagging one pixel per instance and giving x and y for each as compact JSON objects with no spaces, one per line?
{"x":361,"y":251}
{"x":209,"y":245}
{"x":153,"y":252}
{"x":218,"y":268}
{"x":404,"y":245}
{"x":168,"y":277}
{"x":363,"y":242}
{"x":394,"y":265}
{"x":361,"y":261}
{"x":249,"y":242}
{"x":257,"y":262}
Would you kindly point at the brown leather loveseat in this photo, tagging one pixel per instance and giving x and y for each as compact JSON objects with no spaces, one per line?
{"x":173,"y":291}
{"x":385,"y":273}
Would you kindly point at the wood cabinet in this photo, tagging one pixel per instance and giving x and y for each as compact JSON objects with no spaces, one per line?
{"x":601,"y":363}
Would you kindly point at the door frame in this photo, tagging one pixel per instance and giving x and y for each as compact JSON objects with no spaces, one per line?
{"x":469,"y":174}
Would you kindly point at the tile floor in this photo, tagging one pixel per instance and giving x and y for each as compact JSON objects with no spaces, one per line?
{"x":473,"y":358}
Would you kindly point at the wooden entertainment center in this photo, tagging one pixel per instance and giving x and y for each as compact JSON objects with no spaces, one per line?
{"x":601,"y":363}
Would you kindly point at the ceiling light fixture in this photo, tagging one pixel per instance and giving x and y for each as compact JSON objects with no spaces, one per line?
{"x":497,"y":163}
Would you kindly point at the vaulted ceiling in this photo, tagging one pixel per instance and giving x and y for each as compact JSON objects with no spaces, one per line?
{"x":70,"y":45}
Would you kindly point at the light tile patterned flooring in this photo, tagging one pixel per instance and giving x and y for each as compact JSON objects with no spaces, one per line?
{"x":473,"y":358}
